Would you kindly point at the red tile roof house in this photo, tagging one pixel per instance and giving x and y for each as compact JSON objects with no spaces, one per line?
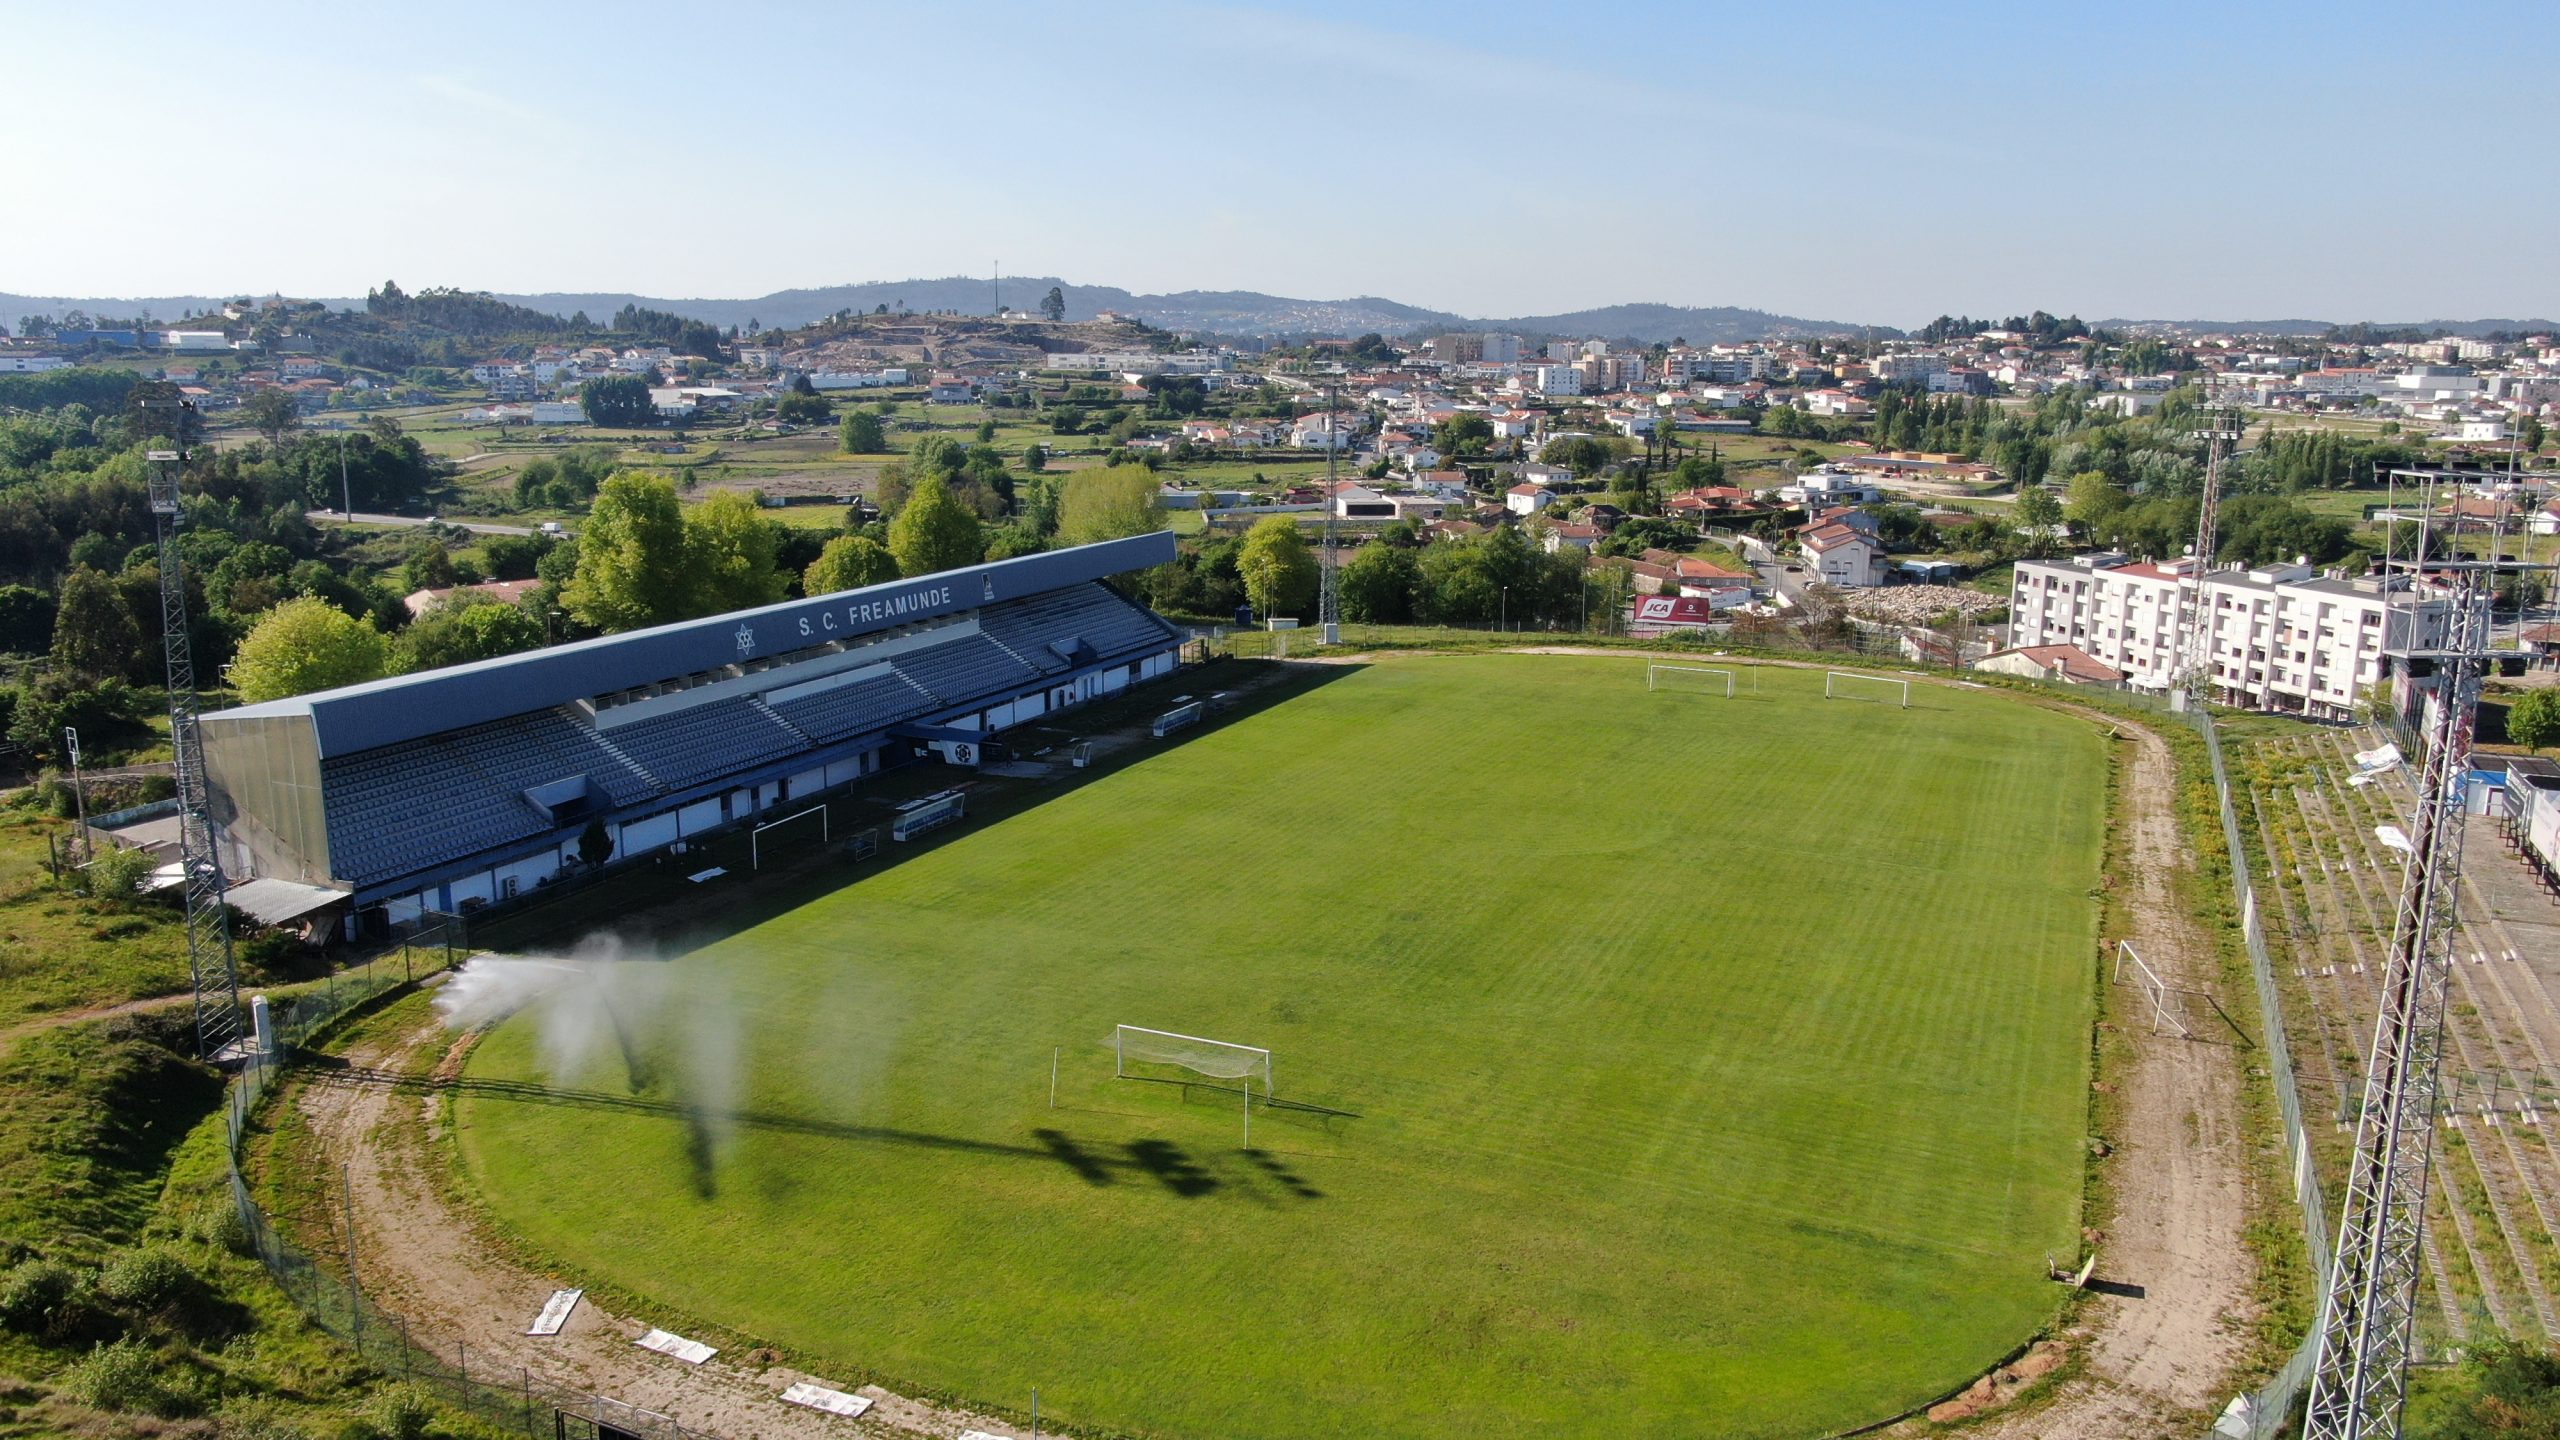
{"x":2067,"y":663}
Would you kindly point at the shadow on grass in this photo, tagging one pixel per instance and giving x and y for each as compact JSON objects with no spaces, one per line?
{"x":1160,"y":1160}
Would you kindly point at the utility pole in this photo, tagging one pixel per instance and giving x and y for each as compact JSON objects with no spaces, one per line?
{"x":209,"y":967}
{"x":1329,"y":597}
{"x":79,"y":791}
{"x":2368,"y":1310}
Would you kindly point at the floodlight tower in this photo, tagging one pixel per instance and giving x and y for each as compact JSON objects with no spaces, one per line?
{"x":1329,"y":596}
{"x":209,"y":969}
{"x":2195,"y":638}
{"x":2368,"y":1312}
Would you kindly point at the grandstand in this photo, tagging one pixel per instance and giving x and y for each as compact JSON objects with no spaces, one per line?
{"x":459,"y":787}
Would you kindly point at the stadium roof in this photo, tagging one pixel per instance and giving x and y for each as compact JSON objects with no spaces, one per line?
{"x":405,"y":707}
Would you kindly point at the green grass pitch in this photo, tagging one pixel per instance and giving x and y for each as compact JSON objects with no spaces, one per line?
{"x":1721,"y":1068}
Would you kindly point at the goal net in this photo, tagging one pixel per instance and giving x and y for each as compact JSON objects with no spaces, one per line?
{"x":1134,"y":1048}
{"x":2168,"y":1008}
{"x":1885,"y":689}
{"x":1692,"y":679}
{"x":762,"y":838}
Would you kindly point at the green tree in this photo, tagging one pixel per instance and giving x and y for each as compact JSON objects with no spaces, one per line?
{"x":272,"y":412}
{"x":469,"y":626}
{"x":862,"y":434}
{"x":934,"y":531}
{"x":631,"y":556}
{"x":798,"y":409}
{"x":2508,"y":1390}
{"x":2094,"y":497}
{"x":26,"y":620}
{"x":1464,"y":434}
{"x":729,"y":555}
{"x":848,"y":563}
{"x":1054,"y":304}
{"x":1035,"y":458}
{"x":1280,"y":576}
{"x":94,"y":636}
{"x":1378,"y":585}
{"x":1110,"y":502}
{"x":305,"y":645}
{"x":621,"y":400}
{"x":2533,"y":719}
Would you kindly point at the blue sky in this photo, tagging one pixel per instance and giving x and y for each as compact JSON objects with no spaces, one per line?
{"x":1877,"y":163}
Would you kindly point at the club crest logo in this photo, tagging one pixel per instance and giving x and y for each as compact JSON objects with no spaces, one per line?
{"x":746,"y":642}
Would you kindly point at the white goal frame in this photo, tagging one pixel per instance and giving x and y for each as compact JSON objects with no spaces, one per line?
{"x":1831,"y":690}
{"x":755,"y":837}
{"x":2156,"y":990}
{"x":1250,"y":1057}
{"x":1654,"y":669}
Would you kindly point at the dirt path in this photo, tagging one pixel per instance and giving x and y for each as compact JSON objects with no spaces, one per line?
{"x":421,"y":1260}
{"x":2160,"y":1340}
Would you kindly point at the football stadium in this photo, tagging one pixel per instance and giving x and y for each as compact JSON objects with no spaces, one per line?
{"x":1437,"y":1045}
{"x":448,"y":790}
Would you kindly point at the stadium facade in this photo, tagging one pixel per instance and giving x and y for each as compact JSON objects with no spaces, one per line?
{"x":454,"y":788}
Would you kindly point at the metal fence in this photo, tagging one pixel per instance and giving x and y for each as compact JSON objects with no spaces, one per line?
{"x":508,"y":1398}
{"x":2262,"y":1415}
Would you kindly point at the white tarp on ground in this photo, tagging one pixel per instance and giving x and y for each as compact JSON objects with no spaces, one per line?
{"x":819,"y":1397}
{"x":555,"y":1312}
{"x":692,"y":1352}
{"x":2396,"y":838}
{"x":2381,"y":757}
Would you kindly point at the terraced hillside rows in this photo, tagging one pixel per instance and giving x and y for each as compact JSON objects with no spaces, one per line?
{"x":2331,"y":889}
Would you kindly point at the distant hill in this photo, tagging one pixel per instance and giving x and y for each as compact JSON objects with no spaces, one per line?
{"x":2467,"y":329}
{"x":1659,"y":324}
{"x":1222,"y":312}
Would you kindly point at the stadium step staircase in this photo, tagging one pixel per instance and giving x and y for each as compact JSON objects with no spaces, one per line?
{"x":616,"y":751}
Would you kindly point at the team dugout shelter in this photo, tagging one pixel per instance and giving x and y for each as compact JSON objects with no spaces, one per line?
{"x":455,"y":788}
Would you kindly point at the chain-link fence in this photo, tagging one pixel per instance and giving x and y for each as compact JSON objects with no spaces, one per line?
{"x":508,"y":1398}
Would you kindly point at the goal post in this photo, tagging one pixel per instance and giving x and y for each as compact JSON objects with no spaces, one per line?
{"x":1847,"y":685}
{"x":1691,"y":679}
{"x":755,"y":837}
{"x":2154,"y":989}
{"x":1136,"y":1045}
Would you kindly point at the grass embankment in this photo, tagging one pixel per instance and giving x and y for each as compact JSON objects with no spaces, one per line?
{"x":129,"y":1302}
{"x":1713,"y":1058}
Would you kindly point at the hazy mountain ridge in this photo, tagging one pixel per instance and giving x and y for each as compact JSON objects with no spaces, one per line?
{"x":1224,"y":312}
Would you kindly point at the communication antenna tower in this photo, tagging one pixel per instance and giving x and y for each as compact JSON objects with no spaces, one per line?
{"x":1329,"y":597}
{"x":2195,"y":640}
{"x":209,"y":968}
{"x":2368,"y":1311}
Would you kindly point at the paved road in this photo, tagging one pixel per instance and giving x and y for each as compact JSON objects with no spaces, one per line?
{"x":340,"y":517}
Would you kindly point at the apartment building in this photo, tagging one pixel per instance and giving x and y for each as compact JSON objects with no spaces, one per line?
{"x":2283,"y":637}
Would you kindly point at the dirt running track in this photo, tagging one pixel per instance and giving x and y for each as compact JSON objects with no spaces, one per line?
{"x":428,"y":1267}
{"x":2156,"y":1362}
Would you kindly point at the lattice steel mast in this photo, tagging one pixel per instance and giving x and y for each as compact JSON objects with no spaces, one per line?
{"x":1329,"y":597}
{"x":217,"y":988}
{"x":2195,"y":638}
{"x":2368,"y":1316}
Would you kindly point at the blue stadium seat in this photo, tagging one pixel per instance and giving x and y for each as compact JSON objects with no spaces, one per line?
{"x":831,"y":715}
{"x":704,"y":741}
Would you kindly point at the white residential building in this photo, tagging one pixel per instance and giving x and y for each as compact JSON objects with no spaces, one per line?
{"x":1843,"y":555}
{"x":2284,"y":637}
{"x":1556,"y":380}
{"x":194,"y":342}
{"x":1134,"y":362}
{"x":1527,"y":499}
